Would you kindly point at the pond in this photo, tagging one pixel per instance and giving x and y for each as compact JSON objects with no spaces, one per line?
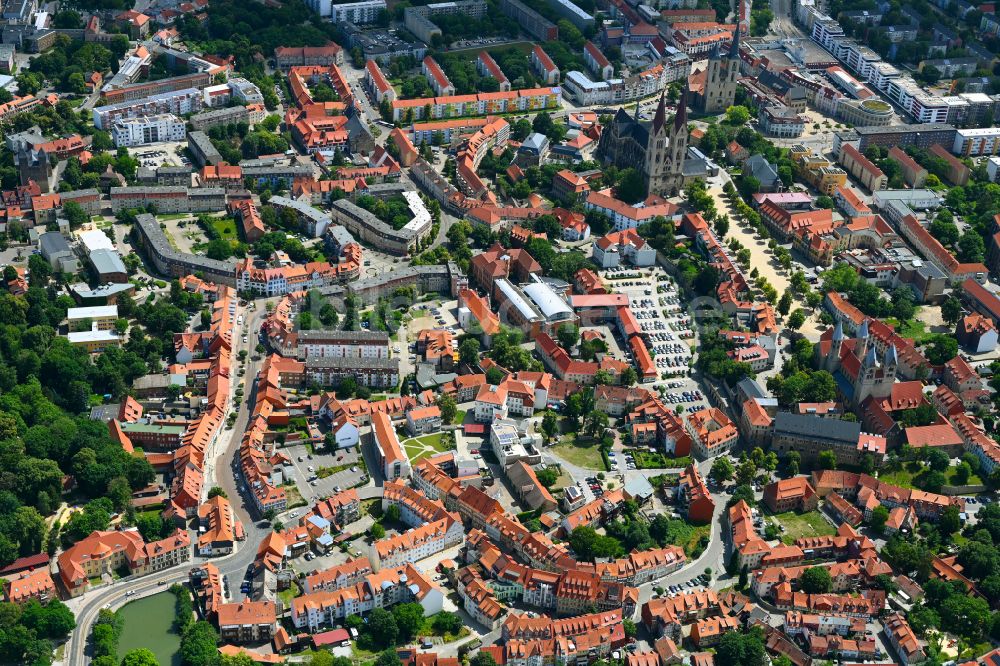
{"x":149,"y":624}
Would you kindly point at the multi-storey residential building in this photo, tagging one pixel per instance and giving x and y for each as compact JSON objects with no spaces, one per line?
{"x":862,"y":168}
{"x":369,"y":228}
{"x":544,"y":67}
{"x":712,"y":432}
{"x":694,"y":496}
{"x":178,"y":102}
{"x":169,"y":199}
{"x":480,"y":104}
{"x":341,"y":344}
{"x":388,"y":587}
{"x":394,"y":461}
{"x":436,"y":77}
{"x":339,"y":577}
{"x":903,"y":639}
{"x":378,"y":85}
{"x":247,"y":621}
{"x":781,"y":121}
{"x":99,"y":317}
{"x":139,"y":91}
{"x":219,"y":117}
{"x":372,"y":372}
{"x":365,"y":11}
{"x":976,"y":142}
{"x":531,"y":21}
{"x":128,"y":132}
{"x":172,"y":262}
{"x":418,"y":542}
{"x":308,"y":56}
{"x":106,"y":552}
{"x":620,"y":247}
{"x":218,"y":523}
{"x":597,"y":61}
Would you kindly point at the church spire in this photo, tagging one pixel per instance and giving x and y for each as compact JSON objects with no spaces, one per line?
{"x":734,"y":51}
{"x":660,"y":119}
{"x":680,"y":119}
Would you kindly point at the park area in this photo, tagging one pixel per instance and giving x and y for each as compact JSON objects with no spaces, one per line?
{"x":583,"y":452}
{"x":419,"y":448}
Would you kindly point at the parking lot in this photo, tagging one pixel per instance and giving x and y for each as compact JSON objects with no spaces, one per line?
{"x":152,"y":156}
{"x":655,"y":303}
{"x":311,"y":486}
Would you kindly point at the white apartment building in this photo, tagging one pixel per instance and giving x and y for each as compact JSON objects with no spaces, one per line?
{"x":245,"y":92}
{"x":127,"y":132}
{"x":976,"y":142}
{"x":386,"y":588}
{"x":177,"y":102}
{"x":354,"y":12}
{"x":417,"y":543}
{"x":343,"y":344}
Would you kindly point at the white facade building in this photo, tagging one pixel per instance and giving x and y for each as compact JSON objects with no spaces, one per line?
{"x":353,"y":12}
{"x":127,"y":132}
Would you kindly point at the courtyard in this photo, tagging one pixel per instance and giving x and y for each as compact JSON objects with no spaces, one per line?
{"x":801,"y":525}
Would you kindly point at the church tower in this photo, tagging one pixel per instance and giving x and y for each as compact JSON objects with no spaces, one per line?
{"x":656,"y":157}
{"x":832,"y":361}
{"x":721,"y":76}
{"x":677,"y":149}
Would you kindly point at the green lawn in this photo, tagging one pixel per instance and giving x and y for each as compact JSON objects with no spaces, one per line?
{"x":582,"y":453}
{"x":689,"y":537}
{"x":286,"y":596}
{"x":802,"y":525}
{"x":419,"y":448}
{"x":225,"y":227}
{"x":173,"y":216}
{"x":911,"y":329}
{"x":647,"y":460}
{"x":459,"y":416}
{"x":904,"y":477}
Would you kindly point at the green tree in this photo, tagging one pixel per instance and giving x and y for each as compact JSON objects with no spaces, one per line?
{"x":198,"y":645}
{"x":941,"y":349}
{"x":951,"y":310}
{"x":569,"y":335}
{"x":950,"y":521}
{"x":722,"y":470}
{"x":447,"y":623}
{"x":387,"y":658}
{"x":550,"y":424}
{"x":548,"y":476}
{"x":409,"y":618}
{"x":382,"y":626}
{"x":785,"y":303}
{"x":468,"y":352}
{"x":880,"y":515}
{"x":737,"y":115}
{"x":449,"y":408}
{"x":796,"y":319}
{"x":827,"y":459}
{"x":377,"y":531}
{"x":139,"y":657}
{"x":816,"y":580}
{"x":482,"y":658}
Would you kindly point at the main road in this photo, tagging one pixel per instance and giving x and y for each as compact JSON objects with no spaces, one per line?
{"x":225,"y":450}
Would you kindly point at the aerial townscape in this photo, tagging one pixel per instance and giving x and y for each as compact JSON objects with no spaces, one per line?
{"x":499,"y":332}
